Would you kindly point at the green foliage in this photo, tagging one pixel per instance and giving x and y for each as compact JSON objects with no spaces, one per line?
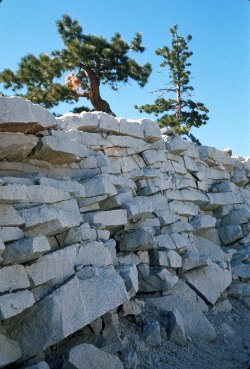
{"x":180,"y":113}
{"x":93,"y":59}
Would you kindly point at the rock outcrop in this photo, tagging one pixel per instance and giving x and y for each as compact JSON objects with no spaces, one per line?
{"x":102,"y":217}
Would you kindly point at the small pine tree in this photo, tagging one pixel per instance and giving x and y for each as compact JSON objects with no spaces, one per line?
{"x":88,"y":60}
{"x":180,"y":112}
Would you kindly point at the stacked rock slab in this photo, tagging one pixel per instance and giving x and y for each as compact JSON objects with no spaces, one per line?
{"x":96,"y":211}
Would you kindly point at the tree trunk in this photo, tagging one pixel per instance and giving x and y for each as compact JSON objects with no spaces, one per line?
{"x":178,"y":102}
{"x":94,"y":92}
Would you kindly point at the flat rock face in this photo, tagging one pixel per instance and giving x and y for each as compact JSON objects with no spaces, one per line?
{"x":10,"y":351}
{"x":16,"y":146}
{"x":67,"y":309}
{"x":20,"y":115}
{"x":210,"y":281}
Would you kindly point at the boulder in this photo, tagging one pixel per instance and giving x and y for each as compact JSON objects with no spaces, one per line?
{"x":152,"y":333}
{"x":176,"y":328}
{"x":12,"y":304}
{"x":10,"y":351}
{"x":140,"y":239}
{"x":168,"y":258}
{"x":230,"y":233}
{"x":107,"y":219}
{"x":70,"y":307}
{"x":9,"y":216}
{"x":88,"y":356}
{"x":16,"y":146}
{"x":210,"y":281}
{"x":25,"y":249}
{"x":156,"y":280}
{"x":20,"y":115}
{"x":13,"y":278}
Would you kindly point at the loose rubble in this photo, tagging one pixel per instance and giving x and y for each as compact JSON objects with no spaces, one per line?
{"x":107,"y":223}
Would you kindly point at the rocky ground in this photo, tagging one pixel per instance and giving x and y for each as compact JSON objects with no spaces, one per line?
{"x":230,"y":350}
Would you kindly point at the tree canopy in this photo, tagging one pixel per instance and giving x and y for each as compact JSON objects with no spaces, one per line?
{"x":179,"y":111}
{"x":88,"y":60}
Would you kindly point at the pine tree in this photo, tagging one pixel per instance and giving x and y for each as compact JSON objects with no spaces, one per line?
{"x":88,"y":61}
{"x":178,"y":112}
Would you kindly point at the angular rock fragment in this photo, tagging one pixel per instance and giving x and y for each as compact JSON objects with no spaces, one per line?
{"x":13,"y":278}
{"x":168,"y":258}
{"x":164,"y":242}
{"x":20,"y":115}
{"x":176,"y":329}
{"x":34,"y":194}
{"x":10,"y":351}
{"x":219,"y":279}
{"x":160,"y":280}
{"x":202,"y":222}
{"x":138,"y":207}
{"x":184,"y":208}
{"x":152,"y":333}
{"x":107,"y":219}
{"x":88,"y":356}
{"x":9,"y":216}
{"x":97,"y":186}
{"x":166,"y":217}
{"x":141,"y":239}
{"x":84,"y":121}
{"x":229,"y":234}
{"x":25,"y":250}
{"x":69,"y":308}
{"x":50,"y":220}
{"x":79,"y":234}
{"x":130,"y":275}
{"x":75,"y":188}
{"x":16,"y":146}
{"x":12,"y":304}
{"x":8,"y":234}
{"x":222,"y":199}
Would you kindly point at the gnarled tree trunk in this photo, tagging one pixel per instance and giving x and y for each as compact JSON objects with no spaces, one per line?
{"x":93,"y":94}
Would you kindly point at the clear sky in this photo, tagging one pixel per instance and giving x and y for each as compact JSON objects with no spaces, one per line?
{"x":220,"y":64}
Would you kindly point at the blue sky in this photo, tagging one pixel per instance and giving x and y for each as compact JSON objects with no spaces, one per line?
{"x":220,"y":64}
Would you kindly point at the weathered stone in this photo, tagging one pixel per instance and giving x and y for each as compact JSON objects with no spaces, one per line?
{"x":222,"y":199}
{"x":8,"y":234}
{"x":84,"y":121}
{"x":169,"y":258}
{"x":13,"y":278}
{"x":50,"y":220}
{"x":211,"y":250}
{"x":131,"y":127}
{"x":33,"y":194}
{"x":20,"y":115}
{"x":213,"y":157}
{"x":196,"y":325}
{"x":128,"y":258}
{"x":88,"y":356}
{"x":176,"y":329}
{"x":239,"y":289}
{"x":75,"y":188}
{"x":9,"y":216}
{"x":79,"y":234}
{"x":54,"y":267}
{"x":242,"y":271}
{"x":132,"y":307}
{"x":95,"y":254}
{"x":16,"y":146}
{"x":219,"y":279}
{"x":130,"y":275}
{"x":236,"y":217}
{"x":97,"y":186}
{"x":69,"y":308}
{"x":10,"y":351}
{"x":151,"y":130}
{"x":161,"y":280}
{"x":180,"y":227}
{"x":14,"y":303}
{"x":152,"y":333}
{"x":141,"y":239}
{"x":107,"y":219}
{"x":25,"y":250}
{"x":176,"y":145}
{"x":193,"y":195}
{"x":184,"y":208}
{"x":118,"y":200}
{"x":192,"y":260}
{"x":229,"y":234}
{"x":201,"y":222}
{"x":166,"y":217}
{"x":164,"y":242}
{"x":225,"y":187}
{"x":181,"y":241}
{"x":60,"y":150}
{"x":138,"y":207}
